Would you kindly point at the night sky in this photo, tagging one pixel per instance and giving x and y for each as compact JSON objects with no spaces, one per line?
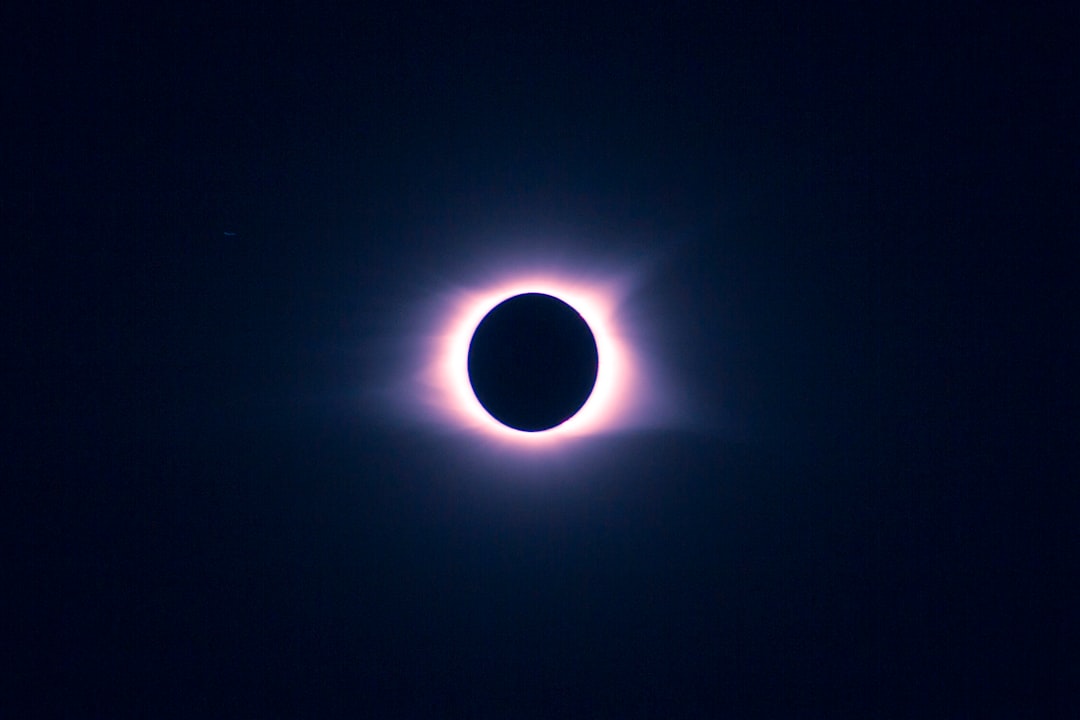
{"x":840,"y":484}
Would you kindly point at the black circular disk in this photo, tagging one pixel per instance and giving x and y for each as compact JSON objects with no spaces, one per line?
{"x":532,"y":362}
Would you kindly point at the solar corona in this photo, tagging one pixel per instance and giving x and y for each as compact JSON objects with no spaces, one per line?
{"x":536,"y":359}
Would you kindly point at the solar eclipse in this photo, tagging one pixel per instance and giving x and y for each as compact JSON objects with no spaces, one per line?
{"x":532,"y":362}
{"x":529,"y":352}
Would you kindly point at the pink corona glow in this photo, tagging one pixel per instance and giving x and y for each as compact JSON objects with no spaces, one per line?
{"x":610,"y":407}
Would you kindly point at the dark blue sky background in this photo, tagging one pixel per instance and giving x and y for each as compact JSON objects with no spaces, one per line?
{"x":858,"y":224}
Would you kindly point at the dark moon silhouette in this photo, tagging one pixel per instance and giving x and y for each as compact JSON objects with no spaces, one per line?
{"x":532,"y":362}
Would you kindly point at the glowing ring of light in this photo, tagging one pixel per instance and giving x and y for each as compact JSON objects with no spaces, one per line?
{"x":607,"y":407}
